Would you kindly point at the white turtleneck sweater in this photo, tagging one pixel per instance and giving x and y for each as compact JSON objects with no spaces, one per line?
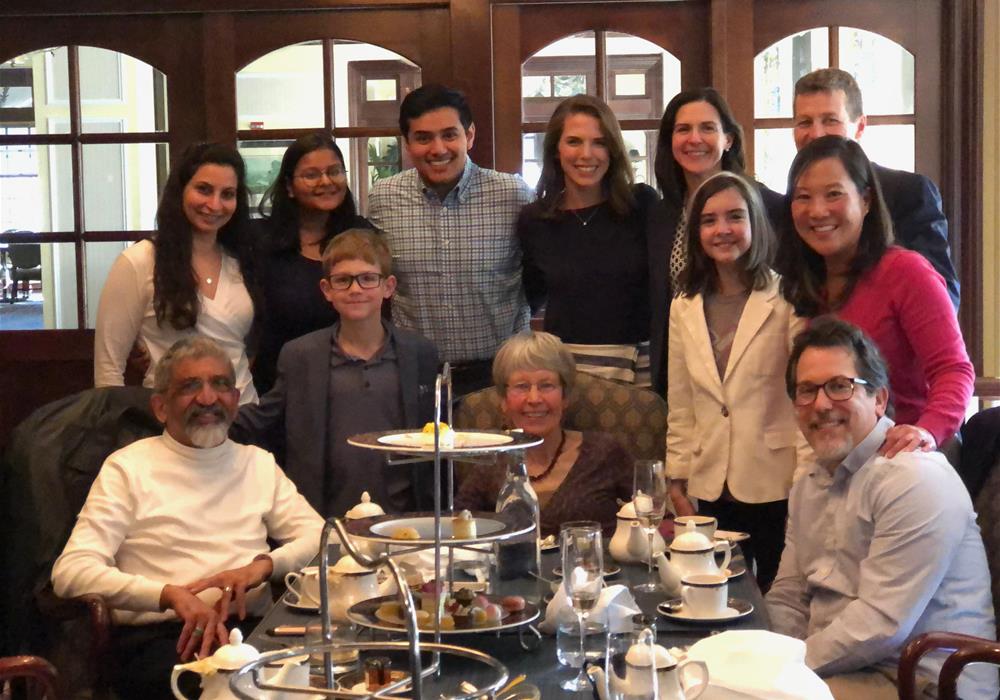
{"x":160,"y":512}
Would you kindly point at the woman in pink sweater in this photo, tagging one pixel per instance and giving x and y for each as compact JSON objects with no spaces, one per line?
{"x":837,"y":256}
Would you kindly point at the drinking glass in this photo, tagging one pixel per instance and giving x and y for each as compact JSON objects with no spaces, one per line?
{"x":650,"y":491}
{"x":583,"y":577}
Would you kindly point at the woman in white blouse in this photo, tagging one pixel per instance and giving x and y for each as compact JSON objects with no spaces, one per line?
{"x":195,"y":277}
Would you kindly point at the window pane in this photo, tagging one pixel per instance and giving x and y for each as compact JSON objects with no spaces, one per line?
{"x":357,"y":65}
{"x":283,"y":89}
{"x":385,"y":158}
{"x":263,"y":160}
{"x":564,"y":68}
{"x":531,"y":158}
{"x":100,"y":257}
{"x":891,"y":145}
{"x":774,"y":150}
{"x":883,"y":69}
{"x":644,"y":76}
{"x":121,"y":185}
{"x":641,"y":148}
{"x":777,"y":67}
{"x":380,"y":90}
{"x":536,"y":86}
{"x":46,"y":296}
{"x":36,"y":192}
{"x":116,"y":88}
{"x":39,"y":92}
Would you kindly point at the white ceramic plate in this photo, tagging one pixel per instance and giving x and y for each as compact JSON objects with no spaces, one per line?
{"x":380,"y":528}
{"x":463,"y":440}
{"x":466,"y":441}
{"x":609,"y":571}
{"x":673,"y":609}
{"x":731,"y":535}
{"x":295,"y":603}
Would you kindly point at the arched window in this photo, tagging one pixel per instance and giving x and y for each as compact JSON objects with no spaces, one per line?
{"x":83,"y":154}
{"x":348,"y":88}
{"x":884,"y":71}
{"x":635,"y":77}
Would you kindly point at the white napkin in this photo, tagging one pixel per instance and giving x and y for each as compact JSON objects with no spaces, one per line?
{"x":475,"y":564}
{"x":615,"y":608}
{"x":757,"y":664}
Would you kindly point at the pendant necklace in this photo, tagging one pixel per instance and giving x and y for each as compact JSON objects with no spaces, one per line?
{"x":584,"y":221}
{"x":539,"y":477}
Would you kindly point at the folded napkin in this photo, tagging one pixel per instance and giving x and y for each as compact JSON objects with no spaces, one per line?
{"x":615,"y":608}
{"x":757,"y":664}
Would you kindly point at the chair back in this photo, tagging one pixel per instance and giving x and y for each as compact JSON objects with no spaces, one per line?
{"x":637,"y":417}
{"x":988,"y":509}
{"x":24,"y":256}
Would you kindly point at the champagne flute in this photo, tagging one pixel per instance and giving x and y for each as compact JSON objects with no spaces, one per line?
{"x":650,"y":492}
{"x":583,"y":579}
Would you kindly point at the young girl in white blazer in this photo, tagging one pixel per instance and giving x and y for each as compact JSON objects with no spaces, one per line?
{"x":732,"y":440}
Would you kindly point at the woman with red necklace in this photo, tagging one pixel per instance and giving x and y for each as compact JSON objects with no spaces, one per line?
{"x":577,"y":476}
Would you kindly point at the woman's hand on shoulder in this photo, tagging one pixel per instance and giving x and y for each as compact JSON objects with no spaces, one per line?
{"x":906,"y":438}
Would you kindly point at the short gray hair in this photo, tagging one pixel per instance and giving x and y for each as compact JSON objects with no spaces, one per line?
{"x":191,"y":348}
{"x":533,"y":350}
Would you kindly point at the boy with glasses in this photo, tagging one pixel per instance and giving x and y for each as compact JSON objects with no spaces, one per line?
{"x":360,"y":375}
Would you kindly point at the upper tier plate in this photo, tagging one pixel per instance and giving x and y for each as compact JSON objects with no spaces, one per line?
{"x":466,"y":441}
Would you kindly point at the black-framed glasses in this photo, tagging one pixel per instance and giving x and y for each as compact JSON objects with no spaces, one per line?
{"x":314,"y":177}
{"x":836,"y":389}
{"x":366,"y":280}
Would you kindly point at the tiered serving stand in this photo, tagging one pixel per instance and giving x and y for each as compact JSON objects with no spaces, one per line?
{"x":249,"y":681}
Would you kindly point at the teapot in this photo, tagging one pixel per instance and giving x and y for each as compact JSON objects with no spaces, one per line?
{"x":630,"y":544}
{"x":217,"y":670}
{"x":692,"y":552}
{"x":365,"y":509}
{"x":672,"y":682}
{"x":350,"y":582}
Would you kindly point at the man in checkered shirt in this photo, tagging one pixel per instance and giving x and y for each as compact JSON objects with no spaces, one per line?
{"x":451,"y":228}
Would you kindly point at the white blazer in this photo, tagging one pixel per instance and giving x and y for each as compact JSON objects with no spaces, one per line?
{"x":740,"y":430}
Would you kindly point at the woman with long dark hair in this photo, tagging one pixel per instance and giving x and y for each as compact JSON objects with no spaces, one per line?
{"x":308,"y":204}
{"x":196,"y":276}
{"x":584,"y":243}
{"x":699,"y":136}
{"x":837,"y":256}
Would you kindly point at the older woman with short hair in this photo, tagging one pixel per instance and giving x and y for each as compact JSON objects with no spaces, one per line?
{"x":577,"y":476}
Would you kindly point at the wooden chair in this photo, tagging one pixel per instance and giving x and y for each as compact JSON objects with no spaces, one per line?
{"x":637,"y":417}
{"x":31,"y":675}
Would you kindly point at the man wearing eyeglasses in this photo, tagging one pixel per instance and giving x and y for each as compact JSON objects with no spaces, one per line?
{"x":878,"y":548}
{"x":361,"y":374}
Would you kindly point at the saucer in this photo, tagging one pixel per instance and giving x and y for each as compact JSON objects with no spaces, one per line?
{"x":673,"y":609}
{"x":734,"y":570}
{"x":731,"y":536}
{"x":609,"y":571}
{"x":292,"y":600}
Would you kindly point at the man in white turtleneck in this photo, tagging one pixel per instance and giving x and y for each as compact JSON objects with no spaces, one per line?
{"x":174,"y":533}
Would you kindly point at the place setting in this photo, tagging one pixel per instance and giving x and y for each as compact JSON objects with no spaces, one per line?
{"x":705,"y":598}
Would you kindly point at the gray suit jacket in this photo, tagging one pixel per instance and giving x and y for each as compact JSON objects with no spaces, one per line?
{"x":292,"y":419}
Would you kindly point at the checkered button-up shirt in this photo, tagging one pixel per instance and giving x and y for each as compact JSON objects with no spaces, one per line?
{"x":458,"y":260}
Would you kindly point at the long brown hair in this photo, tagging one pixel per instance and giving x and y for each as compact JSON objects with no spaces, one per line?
{"x":617,"y":181}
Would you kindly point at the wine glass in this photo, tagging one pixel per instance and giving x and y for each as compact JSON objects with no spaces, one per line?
{"x":650,"y":492}
{"x":583,"y":579}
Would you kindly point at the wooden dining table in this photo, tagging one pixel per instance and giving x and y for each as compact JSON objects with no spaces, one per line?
{"x":539,"y":664}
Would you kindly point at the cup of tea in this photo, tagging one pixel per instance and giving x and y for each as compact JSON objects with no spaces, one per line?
{"x":304,"y":584}
{"x":705,"y":595}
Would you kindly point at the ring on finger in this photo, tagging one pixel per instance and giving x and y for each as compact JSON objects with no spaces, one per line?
{"x":227,"y":589}
{"x":198,"y":631}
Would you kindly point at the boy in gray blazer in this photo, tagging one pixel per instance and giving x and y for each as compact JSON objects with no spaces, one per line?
{"x":360,"y":375}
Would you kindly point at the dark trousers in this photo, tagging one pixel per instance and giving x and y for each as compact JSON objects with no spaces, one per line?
{"x":467,"y":377}
{"x":144,"y":656}
{"x":765,"y":522}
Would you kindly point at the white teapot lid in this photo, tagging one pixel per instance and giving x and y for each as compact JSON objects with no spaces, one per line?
{"x":365,"y":509}
{"x":627,"y":510}
{"x":236,"y":654}
{"x":638,"y":655}
{"x":347,"y":565}
{"x":690,"y":540}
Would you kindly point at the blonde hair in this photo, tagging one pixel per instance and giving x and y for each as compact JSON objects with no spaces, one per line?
{"x":358,"y":244}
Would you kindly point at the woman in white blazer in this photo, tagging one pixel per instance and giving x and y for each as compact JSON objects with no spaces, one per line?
{"x":732,"y":439}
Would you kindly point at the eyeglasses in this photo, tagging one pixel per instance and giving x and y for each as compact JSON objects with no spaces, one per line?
{"x":366,"y":280}
{"x":314,"y":177}
{"x":522,"y":389}
{"x":836,"y":389}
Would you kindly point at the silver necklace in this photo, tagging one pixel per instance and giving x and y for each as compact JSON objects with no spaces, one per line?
{"x":585,"y":221}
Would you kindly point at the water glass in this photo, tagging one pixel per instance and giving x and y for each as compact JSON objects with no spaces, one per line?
{"x":568,"y":642}
{"x":344,"y":660}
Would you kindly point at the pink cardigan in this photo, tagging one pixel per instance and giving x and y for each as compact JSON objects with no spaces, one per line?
{"x":903,"y":304}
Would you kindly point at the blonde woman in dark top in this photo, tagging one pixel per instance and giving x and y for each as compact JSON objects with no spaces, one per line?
{"x":577,"y":476}
{"x":732,"y":440}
